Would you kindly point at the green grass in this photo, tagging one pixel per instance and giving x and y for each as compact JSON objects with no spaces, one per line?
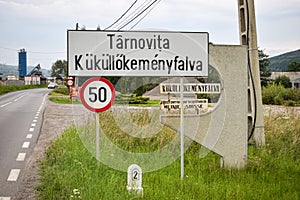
{"x":61,"y":95}
{"x":151,"y":103}
{"x":273,"y":172}
{"x":64,"y":100}
{"x":5,"y":89}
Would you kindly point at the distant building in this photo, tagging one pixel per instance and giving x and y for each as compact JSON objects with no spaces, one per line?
{"x":35,"y":77}
{"x":296,"y":83}
{"x":294,"y":77}
{"x":10,"y":79}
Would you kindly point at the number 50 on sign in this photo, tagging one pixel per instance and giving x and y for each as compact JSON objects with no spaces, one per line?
{"x":97,"y":94}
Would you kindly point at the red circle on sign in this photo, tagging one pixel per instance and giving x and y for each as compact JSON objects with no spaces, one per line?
{"x":107,"y":104}
{"x":70,"y":82}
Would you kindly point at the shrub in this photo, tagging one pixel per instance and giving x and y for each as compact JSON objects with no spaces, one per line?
{"x":270,"y":92}
{"x":131,"y":99}
{"x":278,"y":100}
{"x":62,"y":90}
{"x":284,"y":81}
{"x":278,"y":95}
{"x":290,"y":103}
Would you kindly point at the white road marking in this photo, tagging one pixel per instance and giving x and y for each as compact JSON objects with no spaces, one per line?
{"x":17,"y":99}
{"x":5,"y":104}
{"x":33,"y":124}
{"x":13,"y":175}
{"x":21,"y":157}
{"x":34,"y":120}
{"x":4,"y":198}
{"x":36,"y":117}
{"x":31,"y":129}
{"x":28,"y":136}
{"x":25,"y":145}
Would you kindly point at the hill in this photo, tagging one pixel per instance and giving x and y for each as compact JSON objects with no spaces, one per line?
{"x":11,"y":69}
{"x":280,"y":63}
{"x":8,"y":69}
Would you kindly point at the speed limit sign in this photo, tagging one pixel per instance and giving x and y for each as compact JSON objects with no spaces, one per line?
{"x":97,"y":94}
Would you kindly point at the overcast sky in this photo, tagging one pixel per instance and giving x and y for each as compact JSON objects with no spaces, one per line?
{"x":40,"y":26}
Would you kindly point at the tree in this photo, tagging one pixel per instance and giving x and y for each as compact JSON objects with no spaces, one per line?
{"x":59,"y":67}
{"x":264,"y":63}
{"x":284,"y":81}
{"x":294,"y":67}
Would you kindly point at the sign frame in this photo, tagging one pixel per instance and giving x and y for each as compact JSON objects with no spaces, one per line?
{"x":137,"y":53}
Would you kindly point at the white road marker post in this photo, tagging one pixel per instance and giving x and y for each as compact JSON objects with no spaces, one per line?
{"x":134,"y":181}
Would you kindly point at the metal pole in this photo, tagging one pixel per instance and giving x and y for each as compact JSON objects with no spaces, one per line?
{"x":97,"y":138}
{"x":181,"y":131}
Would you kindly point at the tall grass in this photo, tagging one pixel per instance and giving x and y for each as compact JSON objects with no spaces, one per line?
{"x":273,"y":172}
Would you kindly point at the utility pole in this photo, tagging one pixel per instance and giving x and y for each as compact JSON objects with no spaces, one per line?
{"x":248,"y":36}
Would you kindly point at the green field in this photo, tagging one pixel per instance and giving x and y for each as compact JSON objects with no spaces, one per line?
{"x":69,"y":171}
{"x":5,"y":89}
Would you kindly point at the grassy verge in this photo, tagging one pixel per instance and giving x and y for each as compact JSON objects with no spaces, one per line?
{"x":61,"y":95}
{"x":5,"y":89}
{"x":273,"y":172}
{"x":64,"y":100}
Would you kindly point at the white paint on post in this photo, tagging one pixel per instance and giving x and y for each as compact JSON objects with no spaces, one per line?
{"x":134,"y":180}
{"x":181,"y":131}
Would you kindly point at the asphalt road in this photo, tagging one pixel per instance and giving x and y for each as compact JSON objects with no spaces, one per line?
{"x":21,"y":116}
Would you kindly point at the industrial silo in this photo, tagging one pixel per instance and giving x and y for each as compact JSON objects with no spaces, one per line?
{"x":22,"y":63}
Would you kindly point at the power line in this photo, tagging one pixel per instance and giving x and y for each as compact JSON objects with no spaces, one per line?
{"x":9,"y":49}
{"x":134,"y":13}
{"x":122,"y":15}
{"x":138,"y":15}
{"x":144,"y":15}
{"x":37,"y":52}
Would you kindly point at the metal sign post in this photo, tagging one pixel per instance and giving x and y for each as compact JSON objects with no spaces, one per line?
{"x":97,"y":95}
{"x":97,"y":138}
{"x":181,"y":131}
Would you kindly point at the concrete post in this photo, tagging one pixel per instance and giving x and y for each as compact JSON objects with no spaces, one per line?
{"x":248,"y":37}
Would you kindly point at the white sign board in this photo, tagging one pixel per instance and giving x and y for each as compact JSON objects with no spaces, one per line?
{"x":200,"y":88}
{"x":137,"y":53}
{"x":187,"y":104}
